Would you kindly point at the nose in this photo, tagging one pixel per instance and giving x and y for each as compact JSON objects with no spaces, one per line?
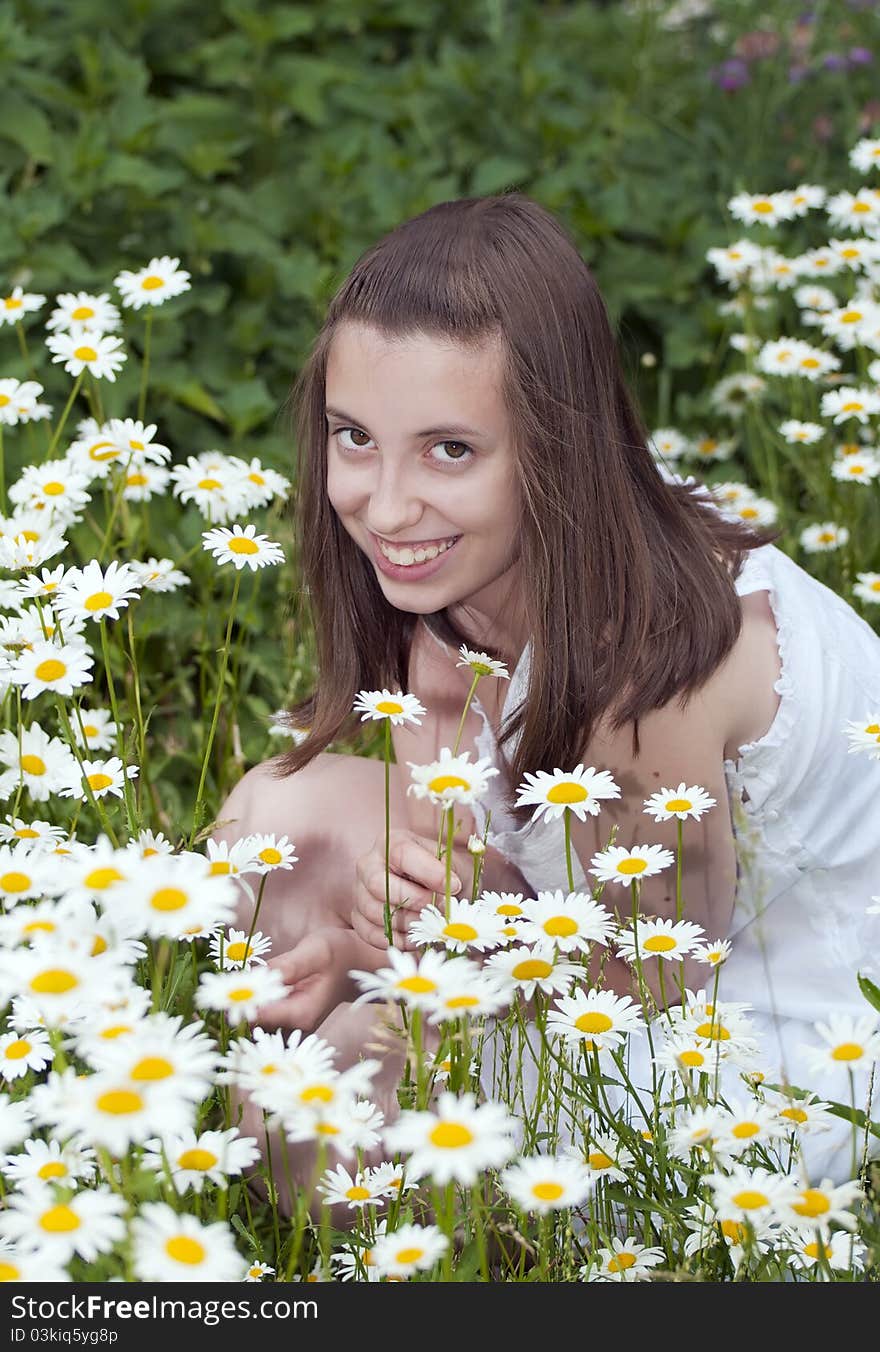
{"x":393,"y":508}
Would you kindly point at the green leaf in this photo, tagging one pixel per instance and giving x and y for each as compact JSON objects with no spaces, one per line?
{"x":195,"y":396}
{"x":869,"y":990}
{"x":27,"y":126}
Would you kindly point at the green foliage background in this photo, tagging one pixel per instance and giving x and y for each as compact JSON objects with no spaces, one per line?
{"x":267,"y":144}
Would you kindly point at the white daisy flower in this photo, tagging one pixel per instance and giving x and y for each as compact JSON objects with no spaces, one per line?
{"x":18,"y":1055}
{"x":687,"y":1054}
{"x":194,"y":1158}
{"x":715,"y":952}
{"x":44,"y":764}
{"x":162,"y":1052}
{"x":144,"y":483}
{"x":796,"y":432}
{"x":779,"y":357}
{"x":88,"y":350}
{"x":849,"y":324}
{"x":57,"y":667}
{"x":680,"y":803}
{"x":812,"y":297}
{"x":257,"y":1271}
{"x":858,"y":469}
{"x":35,"y":834}
{"x":260,"y":484}
{"x":854,"y":253}
{"x":581,"y":790}
{"x":757,"y":1195}
{"x":572,"y":921}
{"x":59,"y":979}
{"x":823,"y":536}
{"x":103,"y":777}
{"x":158,"y":575}
{"x":849,"y":402}
{"x":110,"y":1111}
{"x":213,"y":484}
{"x":865,"y":154}
{"x":625,"y":1261}
{"x":48,"y":1162}
{"x":669,"y":443}
{"x":88,"y":1223}
{"x":840,"y":1251}
{"x":807,"y":195}
{"x":847,"y":1040}
{"x":734,"y":262}
{"x":620,"y":865}
{"x":239,"y":951}
{"x":414,"y":980}
{"x":98,"y":731}
{"x":527,"y":969}
{"x":409,"y":1249}
{"x":338,"y":1187}
{"x":17,"y":304}
{"x":93,"y":593}
{"x":467,"y":991}
{"x":269,"y":852}
{"x":229,"y":859}
{"x":709,"y":449}
{"x":741,"y":1125}
{"x":820,"y":1205}
{"x":854,"y":211}
{"x":92,"y":871}
{"x":397,"y":708}
{"x":171,"y":897}
{"x":16,"y":1118}
{"x":763,"y":208}
{"x":161,"y":279}
{"x":242,"y":547}
{"x":19,"y":402}
{"x":471,"y":925}
{"x":803,"y":1115}
{"x":605,"y":1158}
{"x":596,"y":1019}
{"x":864,"y":736}
{"x":148,"y":843}
{"x":135,"y":442}
{"x":657,"y":938}
{"x":240,"y":993}
{"x":81,"y":310}
{"x":544,"y":1183}
{"x":23,"y":874}
{"x":482,"y":663}
{"x":451,"y":779}
{"x":168,"y":1246}
{"x":456,"y":1140}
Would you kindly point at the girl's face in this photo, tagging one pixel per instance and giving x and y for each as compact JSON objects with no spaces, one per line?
{"x":418,"y":455}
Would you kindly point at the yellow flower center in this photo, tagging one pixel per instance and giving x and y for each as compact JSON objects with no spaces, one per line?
{"x":16,"y":1051}
{"x":169,"y":899}
{"x":810,"y":363}
{"x":100,"y":878}
{"x":593,"y":1022}
{"x":860,"y":207}
{"x":659,"y":943}
{"x":33,"y":765}
{"x":270,"y":855}
{"x":567,"y":792}
{"x":25,"y":833}
{"x":53,"y":489}
{"x":735,"y":1231}
{"x":98,"y":601}
{"x":813,"y":1202}
{"x":99,"y":781}
{"x":621,"y":1261}
{"x":597,"y":1159}
{"x":14,"y":882}
{"x":443,"y":782}
{"x":389,"y":706}
{"x":209,"y":483}
{"x":52,"y":1169}
{"x":238,"y":951}
{"x":462,"y":1002}
{"x":716,"y":1031}
{"x":197,"y":1159}
{"x":853,"y":406}
{"x":152,"y":283}
{"x":241,"y":994}
{"x":118,"y":1102}
{"x":560,"y":926}
{"x":417,"y":985}
{"x":39,"y":926}
{"x":533,"y":969}
{"x":85,"y":354}
{"x":116,"y":1030}
{"x":548,"y":1192}
{"x":851,"y":316}
{"x":243,"y":544}
{"x":794,"y":1114}
{"x":317,"y":1093}
{"x":763,"y":207}
{"x":219,"y":866}
{"x":847,"y":1051}
{"x":82,"y":312}
{"x":409,"y":1255}
{"x":691,"y":1058}
{"x":54,"y":981}
{"x":50,"y":670}
{"x":152,"y":1068}
{"x":357,"y":1194}
{"x":679,"y":805}
{"x":816,"y":1249}
{"x":450,"y":1136}
{"x":256,"y":478}
{"x":508,"y":908}
{"x":185,"y":1249}
{"x":750,"y":1199}
{"x":59,"y":1220}
{"x":136,"y":480}
{"x":13,"y":303}
{"x":99,"y":946}
{"x":632,"y":865}
{"x":743,"y":1130}
{"x":460,"y":931}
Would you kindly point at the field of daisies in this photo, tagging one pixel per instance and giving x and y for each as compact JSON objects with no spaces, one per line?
{"x":519,"y":1148}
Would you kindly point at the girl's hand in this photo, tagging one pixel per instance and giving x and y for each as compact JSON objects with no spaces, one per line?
{"x":416,"y":879}
{"x":317,"y":970}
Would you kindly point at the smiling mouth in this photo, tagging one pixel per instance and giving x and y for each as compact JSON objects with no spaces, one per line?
{"x":415,"y":553}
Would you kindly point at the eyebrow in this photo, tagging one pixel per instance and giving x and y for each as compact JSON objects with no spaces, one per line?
{"x":450,"y":429}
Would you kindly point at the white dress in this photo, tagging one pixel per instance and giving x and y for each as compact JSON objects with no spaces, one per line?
{"x":807,"y":839}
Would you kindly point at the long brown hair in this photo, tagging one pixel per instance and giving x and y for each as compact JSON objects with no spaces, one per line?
{"x":629,"y":596}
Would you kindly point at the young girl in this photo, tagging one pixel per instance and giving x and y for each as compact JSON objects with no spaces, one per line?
{"x":464,"y":396}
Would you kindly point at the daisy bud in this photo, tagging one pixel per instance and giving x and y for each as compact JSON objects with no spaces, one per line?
{"x":476,"y":845}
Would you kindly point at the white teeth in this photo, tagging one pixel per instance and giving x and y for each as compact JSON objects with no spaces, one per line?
{"x":408,"y":556}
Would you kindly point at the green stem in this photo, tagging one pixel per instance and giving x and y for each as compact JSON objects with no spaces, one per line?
{"x":145,"y":368}
{"x":389,"y":933}
{"x":63,"y":419}
{"x":220,"y":683}
{"x":130,"y":810}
